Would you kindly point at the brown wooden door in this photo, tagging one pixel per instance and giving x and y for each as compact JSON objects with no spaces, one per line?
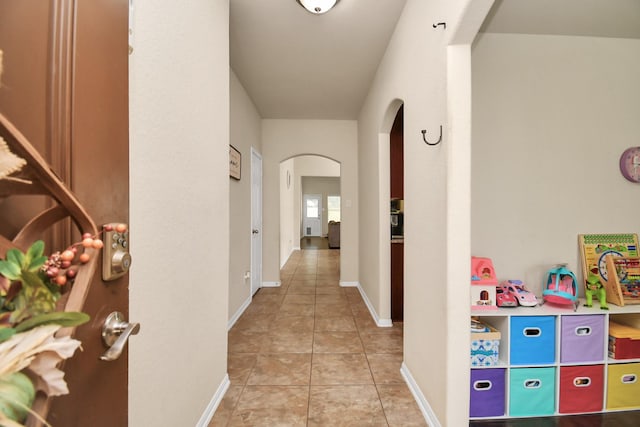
{"x":24,"y":90}
{"x":65,"y":84}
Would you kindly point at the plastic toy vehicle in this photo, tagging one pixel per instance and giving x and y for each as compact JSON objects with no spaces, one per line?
{"x":504,"y":297}
{"x":521,"y":294}
{"x":561,"y":287}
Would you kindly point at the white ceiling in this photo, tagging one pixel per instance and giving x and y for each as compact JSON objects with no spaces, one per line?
{"x":296,"y":65}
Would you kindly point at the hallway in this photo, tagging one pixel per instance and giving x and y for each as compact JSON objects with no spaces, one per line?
{"x":309,"y":354}
{"x":314,"y":243}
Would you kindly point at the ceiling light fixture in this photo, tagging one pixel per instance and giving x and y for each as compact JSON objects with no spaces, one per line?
{"x":317,"y":7}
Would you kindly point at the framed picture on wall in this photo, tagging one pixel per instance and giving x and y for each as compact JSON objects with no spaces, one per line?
{"x":235,"y":163}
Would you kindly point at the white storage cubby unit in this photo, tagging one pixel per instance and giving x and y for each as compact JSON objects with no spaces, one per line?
{"x":554,"y":361}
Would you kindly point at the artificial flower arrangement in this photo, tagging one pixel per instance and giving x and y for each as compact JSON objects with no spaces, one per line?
{"x":31,"y":284}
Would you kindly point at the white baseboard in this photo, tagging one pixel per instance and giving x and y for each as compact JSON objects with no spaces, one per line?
{"x":293,"y":249}
{"x":270,"y":284}
{"x":349,"y":284}
{"x":382,"y":323}
{"x":238,"y":313}
{"x":427,"y":412}
{"x":214,"y":403}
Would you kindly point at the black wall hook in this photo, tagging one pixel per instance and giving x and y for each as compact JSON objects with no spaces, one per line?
{"x":424,"y":137}
{"x":444,"y":25}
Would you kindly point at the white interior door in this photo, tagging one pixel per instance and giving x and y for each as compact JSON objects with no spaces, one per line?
{"x":312,"y":215}
{"x":256,"y":221}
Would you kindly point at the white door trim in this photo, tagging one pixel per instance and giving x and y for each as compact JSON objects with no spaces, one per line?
{"x":256,"y":221}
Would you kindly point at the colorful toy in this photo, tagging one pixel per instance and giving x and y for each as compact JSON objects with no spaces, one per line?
{"x":483,"y":284}
{"x":521,"y":294}
{"x":504,"y":298}
{"x":596,"y":248}
{"x":623,"y":285}
{"x":482,"y":271}
{"x":593,"y":286}
{"x":561,"y":288}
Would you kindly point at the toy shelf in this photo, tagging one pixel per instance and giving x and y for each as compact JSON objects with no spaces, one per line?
{"x":555,"y":361}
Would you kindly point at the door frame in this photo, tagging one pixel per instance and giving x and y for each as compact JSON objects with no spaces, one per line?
{"x":256,"y":221}
{"x":384,"y":196}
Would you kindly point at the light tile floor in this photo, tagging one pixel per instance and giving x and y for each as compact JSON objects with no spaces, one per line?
{"x":309,"y":354}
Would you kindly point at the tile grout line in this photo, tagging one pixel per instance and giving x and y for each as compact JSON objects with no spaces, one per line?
{"x":302,"y":266}
{"x":366,"y":356}
{"x":312,"y":346}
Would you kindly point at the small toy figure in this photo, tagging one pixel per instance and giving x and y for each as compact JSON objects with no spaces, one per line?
{"x":593,"y":286}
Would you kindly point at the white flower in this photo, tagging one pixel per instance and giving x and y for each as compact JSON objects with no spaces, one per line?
{"x":40,"y":351}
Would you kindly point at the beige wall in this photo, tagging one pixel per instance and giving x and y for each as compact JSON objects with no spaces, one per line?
{"x":245,"y":134}
{"x":551,"y":116}
{"x":335,"y":139}
{"x":430,"y":79}
{"x":316,"y":166}
{"x":179,"y":110}
{"x":288,"y":225}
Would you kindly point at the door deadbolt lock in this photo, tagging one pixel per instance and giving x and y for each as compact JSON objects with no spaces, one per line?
{"x":116,"y":258}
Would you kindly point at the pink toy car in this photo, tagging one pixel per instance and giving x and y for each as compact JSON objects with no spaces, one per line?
{"x":504,"y":297}
{"x":521,"y":294}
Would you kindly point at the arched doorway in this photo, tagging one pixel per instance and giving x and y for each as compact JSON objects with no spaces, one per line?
{"x":310,"y":203}
{"x":396,"y":184}
{"x":385,"y":207}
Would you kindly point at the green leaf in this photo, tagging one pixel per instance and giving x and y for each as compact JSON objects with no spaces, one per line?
{"x":6,"y":333}
{"x":36,"y":263}
{"x":32,"y":279}
{"x":33,"y":299}
{"x":20,"y":309}
{"x":35,"y":251}
{"x":9,"y":270}
{"x":16,"y":395}
{"x":62,"y":318}
{"x":15,"y":256}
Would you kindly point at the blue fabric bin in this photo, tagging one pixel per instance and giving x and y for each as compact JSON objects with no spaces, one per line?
{"x":532,"y":340}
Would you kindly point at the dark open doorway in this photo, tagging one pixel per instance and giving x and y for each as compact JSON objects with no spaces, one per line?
{"x":396,"y":147}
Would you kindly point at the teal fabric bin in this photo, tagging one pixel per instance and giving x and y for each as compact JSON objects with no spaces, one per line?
{"x":532,"y":392}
